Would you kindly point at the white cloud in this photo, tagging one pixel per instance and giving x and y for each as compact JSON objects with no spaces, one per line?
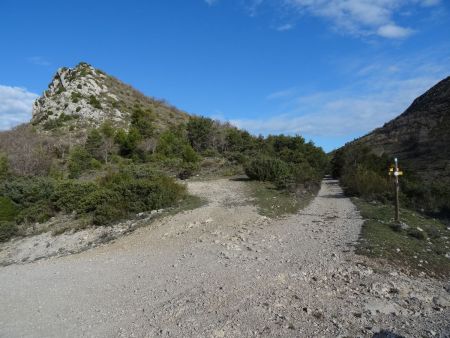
{"x":285,"y":27}
{"x":429,"y":3}
{"x":211,"y":2}
{"x":380,"y":91}
{"x":281,"y":94}
{"x":15,"y":106}
{"x":394,"y":32}
{"x":38,"y":60}
{"x":362,"y":17}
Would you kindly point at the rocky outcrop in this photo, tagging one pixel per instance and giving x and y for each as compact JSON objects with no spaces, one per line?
{"x":420,"y":137}
{"x":83,"y":97}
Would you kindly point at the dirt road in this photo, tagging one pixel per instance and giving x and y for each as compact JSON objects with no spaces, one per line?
{"x":223,"y":270}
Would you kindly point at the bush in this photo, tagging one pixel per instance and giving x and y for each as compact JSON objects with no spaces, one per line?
{"x":142,"y":120}
{"x":70,"y":195}
{"x":28,"y":153}
{"x":107,"y":213}
{"x":94,"y":143}
{"x":269,"y":169}
{"x":79,"y":161}
{"x":200,"y":132}
{"x":75,"y":97}
{"x":8,"y":210}
{"x":25,"y":191}
{"x":189,"y":155}
{"x":125,"y":194}
{"x":366,"y":183}
{"x":127,"y":141}
{"x":94,"y":102}
{"x":7,"y":230}
{"x":4,"y":168}
{"x":98,"y":197}
{"x":40,"y":212}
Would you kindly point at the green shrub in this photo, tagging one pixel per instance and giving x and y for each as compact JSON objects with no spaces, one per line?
{"x":366,"y":183}
{"x":70,"y":195}
{"x":189,"y":155}
{"x":94,"y":143}
{"x":124,"y":194}
{"x":269,"y":169}
{"x":107,"y":213}
{"x":142,"y":120}
{"x":94,"y":102}
{"x":171,"y":145}
{"x":25,"y":191}
{"x":40,"y":212}
{"x":8,"y":210}
{"x":200,"y":132}
{"x":91,"y":201}
{"x":79,"y":161}
{"x":4,"y":167}
{"x":76,"y":97}
{"x":127,"y":142}
{"x":7,"y":230}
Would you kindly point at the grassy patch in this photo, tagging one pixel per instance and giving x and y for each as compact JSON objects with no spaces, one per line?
{"x":419,"y":248}
{"x":8,"y":210}
{"x":190,"y":202}
{"x":273,"y":203}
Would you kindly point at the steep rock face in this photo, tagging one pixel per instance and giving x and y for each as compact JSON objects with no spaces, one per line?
{"x":84,"y":97}
{"x":420,"y":137}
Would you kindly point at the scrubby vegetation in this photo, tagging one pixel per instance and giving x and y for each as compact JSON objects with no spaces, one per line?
{"x":110,"y":173}
{"x":274,"y":202}
{"x":419,"y":242}
{"x":107,"y":199}
{"x":364,"y":174}
{"x":420,"y":246}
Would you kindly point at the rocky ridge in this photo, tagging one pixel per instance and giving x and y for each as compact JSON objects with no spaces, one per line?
{"x":83,"y":97}
{"x":419,"y":137}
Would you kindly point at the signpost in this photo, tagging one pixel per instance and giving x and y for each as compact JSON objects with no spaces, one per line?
{"x":396,"y":172}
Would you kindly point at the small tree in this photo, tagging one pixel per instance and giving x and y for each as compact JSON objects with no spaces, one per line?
{"x":94,"y":144}
{"x":200,"y":132}
{"x":3,"y":165}
{"x":142,"y":121}
{"x":108,"y":132}
{"x":127,"y":141}
{"x":79,"y":161}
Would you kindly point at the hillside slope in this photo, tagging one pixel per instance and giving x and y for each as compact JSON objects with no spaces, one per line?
{"x":84,"y":97}
{"x":420,"y":137}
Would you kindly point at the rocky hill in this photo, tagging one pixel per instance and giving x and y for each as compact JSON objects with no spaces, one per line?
{"x":420,"y":137}
{"x":84,"y":97}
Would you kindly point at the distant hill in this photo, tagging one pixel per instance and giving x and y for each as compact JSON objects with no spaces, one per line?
{"x":84,"y":97}
{"x":420,"y":137}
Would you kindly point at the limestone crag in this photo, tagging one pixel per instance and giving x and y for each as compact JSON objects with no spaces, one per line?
{"x":78,"y":93}
{"x":84,"y":97}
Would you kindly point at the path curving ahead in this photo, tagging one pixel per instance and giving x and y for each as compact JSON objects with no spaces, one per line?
{"x":223,"y":270}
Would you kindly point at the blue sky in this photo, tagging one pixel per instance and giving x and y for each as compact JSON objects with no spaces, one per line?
{"x":328,"y":70}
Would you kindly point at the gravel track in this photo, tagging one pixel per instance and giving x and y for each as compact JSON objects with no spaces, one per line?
{"x":223,"y":270}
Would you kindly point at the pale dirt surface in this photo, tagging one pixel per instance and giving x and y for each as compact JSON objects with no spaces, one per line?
{"x":222,"y":270}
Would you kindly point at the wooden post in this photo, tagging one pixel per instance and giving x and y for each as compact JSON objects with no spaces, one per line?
{"x":397,"y":189}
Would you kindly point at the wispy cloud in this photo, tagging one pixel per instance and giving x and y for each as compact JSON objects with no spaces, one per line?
{"x":392,"y":31}
{"x":380,"y":91}
{"x":355,"y":17}
{"x":285,"y":27}
{"x":282,"y":94}
{"x":15,"y":106}
{"x":211,"y":2}
{"x":38,"y":60}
